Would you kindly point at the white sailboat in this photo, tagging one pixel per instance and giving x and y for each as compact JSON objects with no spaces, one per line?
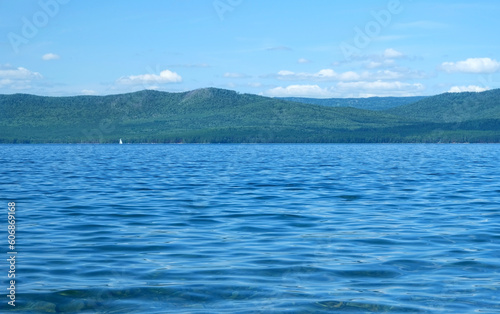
{"x":121,"y":141}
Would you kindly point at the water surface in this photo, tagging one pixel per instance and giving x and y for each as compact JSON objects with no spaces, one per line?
{"x":254,"y":228}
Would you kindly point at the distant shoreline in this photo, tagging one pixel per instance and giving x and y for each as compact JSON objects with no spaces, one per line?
{"x":219,"y":116}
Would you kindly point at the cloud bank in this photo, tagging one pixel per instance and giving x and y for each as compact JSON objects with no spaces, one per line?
{"x":472,"y":65}
{"x":164,"y":77}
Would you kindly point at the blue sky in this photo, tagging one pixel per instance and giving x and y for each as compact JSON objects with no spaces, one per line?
{"x":315,"y":48}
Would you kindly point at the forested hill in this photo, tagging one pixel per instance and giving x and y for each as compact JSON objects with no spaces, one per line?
{"x":205,"y":115}
{"x":371,"y":103}
{"x":453,"y":107}
{"x":213,"y":115}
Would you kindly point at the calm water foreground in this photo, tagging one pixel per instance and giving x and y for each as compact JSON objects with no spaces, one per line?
{"x":253,"y":228}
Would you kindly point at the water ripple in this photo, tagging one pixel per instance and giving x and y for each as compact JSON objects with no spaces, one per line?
{"x":255,"y":228}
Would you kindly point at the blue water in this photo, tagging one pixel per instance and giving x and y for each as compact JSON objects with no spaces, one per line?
{"x":254,"y":228}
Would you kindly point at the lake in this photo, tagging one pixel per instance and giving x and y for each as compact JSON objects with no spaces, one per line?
{"x":253,"y":228}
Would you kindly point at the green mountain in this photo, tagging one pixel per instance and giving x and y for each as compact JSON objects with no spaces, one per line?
{"x":204,"y":115}
{"x":371,"y":103}
{"x":453,"y":107}
{"x":221,"y":116}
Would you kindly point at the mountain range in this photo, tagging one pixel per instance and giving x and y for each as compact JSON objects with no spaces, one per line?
{"x":211,"y":115}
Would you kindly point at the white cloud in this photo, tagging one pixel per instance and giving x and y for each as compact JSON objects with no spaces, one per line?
{"x":470,"y":88}
{"x":17,"y":78}
{"x":255,"y":84}
{"x":279,"y":48}
{"x":322,"y":75}
{"x":349,"y":89}
{"x":189,"y":65}
{"x":379,"y":88}
{"x":349,"y":76}
{"x":298,"y":91}
{"x":19,"y":73}
{"x":396,"y":73}
{"x":286,"y":73}
{"x":50,"y":56}
{"x":393,"y":54}
{"x":385,"y":75}
{"x":472,"y":65}
{"x":88,"y":92}
{"x":377,"y":85}
{"x":388,"y":38}
{"x":303,"y":60}
{"x":386,"y":58}
{"x":325,"y":73}
{"x":388,"y":63}
{"x":422,"y":24}
{"x":164,"y":77}
{"x":235,"y":75}
{"x":374,"y":65}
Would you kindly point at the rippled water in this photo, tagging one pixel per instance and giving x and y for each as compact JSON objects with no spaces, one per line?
{"x":254,"y":228}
